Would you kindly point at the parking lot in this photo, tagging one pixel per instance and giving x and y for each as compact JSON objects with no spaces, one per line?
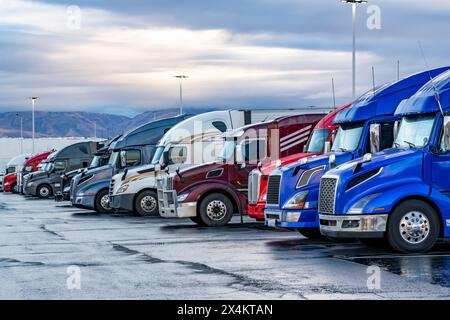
{"x":123,"y":256}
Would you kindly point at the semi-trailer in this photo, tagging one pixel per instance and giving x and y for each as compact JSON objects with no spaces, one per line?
{"x":211,"y":193}
{"x":401,"y":194}
{"x":319,"y":142}
{"x":192,"y":142}
{"x":367,"y":126}
{"x":44,"y":183}
{"x":90,"y":189}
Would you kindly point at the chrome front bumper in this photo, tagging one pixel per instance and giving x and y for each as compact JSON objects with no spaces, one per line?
{"x":170,"y":208}
{"x":353,"y":226}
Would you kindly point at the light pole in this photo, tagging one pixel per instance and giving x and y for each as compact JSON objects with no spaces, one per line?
{"x":354,"y":3}
{"x":181,"y":78}
{"x":33,"y":101}
{"x":21,"y":132}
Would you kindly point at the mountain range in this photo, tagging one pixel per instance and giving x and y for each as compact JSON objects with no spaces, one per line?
{"x":77,"y":124}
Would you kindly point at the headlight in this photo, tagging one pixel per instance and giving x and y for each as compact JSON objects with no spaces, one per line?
{"x":358,"y":207}
{"x":182,"y":197}
{"x":297,"y":202}
{"x":123,"y":188}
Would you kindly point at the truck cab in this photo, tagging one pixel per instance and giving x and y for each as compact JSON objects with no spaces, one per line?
{"x":401,"y":194}
{"x":13,"y":168}
{"x":44,"y":184}
{"x":192,"y":142}
{"x":322,"y":134}
{"x":209,"y":194}
{"x":367,"y":126}
{"x":31,"y":165}
{"x":90,"y":189}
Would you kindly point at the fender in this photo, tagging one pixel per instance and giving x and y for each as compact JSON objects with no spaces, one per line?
{"x":198,"y":190}
{"x":391,"y":197}
{"x":94,"y":188}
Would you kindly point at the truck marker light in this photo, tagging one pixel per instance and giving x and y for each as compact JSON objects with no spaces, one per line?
{"x":380,"y":209}
{"x":448,"y":222}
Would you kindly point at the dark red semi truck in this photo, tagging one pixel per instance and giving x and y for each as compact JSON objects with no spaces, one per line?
{"x":210,"y":193}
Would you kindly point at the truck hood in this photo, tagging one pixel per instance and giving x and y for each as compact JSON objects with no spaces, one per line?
{"x":380,"y":159}
{"x":198,"y":174}
{"x":37,"y":175}
{"x":98,"y":170}
{"x":268,"y":167}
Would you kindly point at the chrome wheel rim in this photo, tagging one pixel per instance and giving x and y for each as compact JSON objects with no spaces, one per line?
{"x":216,"y":210}
{"x":414,"y":227}
{"x":148,"y":204}
{"x":104,"y":202}
{"x":44,"y":192}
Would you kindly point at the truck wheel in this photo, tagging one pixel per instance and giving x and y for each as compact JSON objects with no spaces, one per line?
{"x":413,"y":227}
{"x":14,"y":188}
{"x":101,"y":204}
{"x":197,"y":221}
{"x":216,"y":210}
{"x":311,"y":233}
{"x":146,"y":203}
{"x":44,"y":191}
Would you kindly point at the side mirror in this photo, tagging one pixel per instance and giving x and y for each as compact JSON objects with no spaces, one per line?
{"x":396,"y":129}
{"x":239,"y":154}
{"x":123,"y":159}
{"x":375,"y":137}
{"x":165,"y":159}
{"x":327,"y":147}
{"x":447,"y":134}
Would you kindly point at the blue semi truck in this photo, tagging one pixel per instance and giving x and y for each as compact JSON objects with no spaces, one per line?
{"x":90,"y":189}
{"x":401,"y":194}
{"x":367,"y":126}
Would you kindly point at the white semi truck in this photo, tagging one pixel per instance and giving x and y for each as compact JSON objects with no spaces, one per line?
{"x":194,"y":141}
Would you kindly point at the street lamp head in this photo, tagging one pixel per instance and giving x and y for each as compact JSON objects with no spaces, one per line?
{"x":354,"y":1}
{"x":181,"y":77}
{"x":33,"y":98}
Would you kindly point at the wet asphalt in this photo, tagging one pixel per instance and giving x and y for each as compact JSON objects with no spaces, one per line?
{"x":121,"y":256}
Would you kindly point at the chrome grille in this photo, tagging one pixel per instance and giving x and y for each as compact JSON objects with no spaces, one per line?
{"x":169,"y":183}
{"x":273,"y":189}
{"x":327,"y":195}
{"x":254,"y":181}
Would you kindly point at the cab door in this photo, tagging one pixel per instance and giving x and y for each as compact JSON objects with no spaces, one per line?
{"x":248,"y":153}
{"x":440,"y":161}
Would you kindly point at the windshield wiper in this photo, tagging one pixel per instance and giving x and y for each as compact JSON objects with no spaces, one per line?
{"x":340,"y":149}
{"x":396,"y":145}
{"x":410,"y":144}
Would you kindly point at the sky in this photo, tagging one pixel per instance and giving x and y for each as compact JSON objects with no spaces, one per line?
{"x":120,"y":57}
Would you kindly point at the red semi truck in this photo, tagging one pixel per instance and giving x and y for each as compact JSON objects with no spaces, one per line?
{"x":13,"y":180}
{"x":257,"y":182}
{"x":209,"y":194}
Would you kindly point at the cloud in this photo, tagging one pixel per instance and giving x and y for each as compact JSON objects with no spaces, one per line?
{"x":237,"y":53}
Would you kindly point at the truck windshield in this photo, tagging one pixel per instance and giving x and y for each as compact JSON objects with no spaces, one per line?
{"x":113,"y":159}
{"x":10,"y":170}
{"x":414,"y":132}
{"x":158,"y":153}
{"x":347,"y":138}
{"x":317,"y":141}
{"x":48,"y":167}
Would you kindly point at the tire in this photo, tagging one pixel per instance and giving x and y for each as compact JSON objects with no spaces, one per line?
{"x":101,"y":203}
{"x":197,"y":221}
{"x":425,"y":223}
{"x":146,"y":203}
{"x":311,"y":233}
{"x":14,"y":188}
{"x":216,"y":210}
{"x":44,"y":191}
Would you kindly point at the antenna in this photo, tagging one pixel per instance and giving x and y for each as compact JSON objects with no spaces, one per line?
{"x":373,"y":79}
{"x":398,"y":70}
{"x":436,"y":93}
{"x":334,"y":93}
